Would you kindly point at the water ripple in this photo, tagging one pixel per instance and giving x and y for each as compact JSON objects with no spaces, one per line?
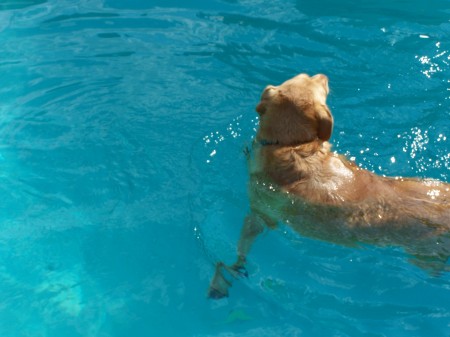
{"x":120,"y":121}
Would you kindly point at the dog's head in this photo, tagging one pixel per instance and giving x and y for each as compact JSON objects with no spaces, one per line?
{"x":295,"y":112}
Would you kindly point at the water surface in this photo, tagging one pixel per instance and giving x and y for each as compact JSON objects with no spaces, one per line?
{"x":122,"y":125}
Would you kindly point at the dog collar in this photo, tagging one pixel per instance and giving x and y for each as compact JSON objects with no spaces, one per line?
{"x":265,"y":142}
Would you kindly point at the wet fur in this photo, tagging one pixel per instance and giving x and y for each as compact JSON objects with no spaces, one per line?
{"x":297,"y":180}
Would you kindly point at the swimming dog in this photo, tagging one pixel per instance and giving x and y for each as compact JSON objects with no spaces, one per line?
{"x":295,"y":179}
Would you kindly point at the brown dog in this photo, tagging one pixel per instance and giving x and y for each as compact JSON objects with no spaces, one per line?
{"x":296,"y":180}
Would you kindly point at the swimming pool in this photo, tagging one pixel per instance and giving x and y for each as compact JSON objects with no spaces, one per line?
{"x":123,"y":179}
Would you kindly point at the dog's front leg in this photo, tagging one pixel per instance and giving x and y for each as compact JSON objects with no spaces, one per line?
{"x":253,"y":226}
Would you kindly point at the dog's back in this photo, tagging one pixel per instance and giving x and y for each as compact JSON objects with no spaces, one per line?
{"x":314,"y":176}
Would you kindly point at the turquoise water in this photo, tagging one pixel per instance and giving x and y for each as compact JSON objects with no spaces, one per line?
{"x":122,"y":125}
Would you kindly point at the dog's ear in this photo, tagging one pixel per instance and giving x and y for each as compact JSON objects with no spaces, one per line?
{"x":325,"y":122}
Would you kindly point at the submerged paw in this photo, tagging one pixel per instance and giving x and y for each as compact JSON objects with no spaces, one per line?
{"x":240,"y":271}
{"x":217,"y":294}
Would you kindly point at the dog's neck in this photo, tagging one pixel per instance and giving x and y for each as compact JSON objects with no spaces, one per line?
{"x":266,"y":142}
{"x":290,"y":164}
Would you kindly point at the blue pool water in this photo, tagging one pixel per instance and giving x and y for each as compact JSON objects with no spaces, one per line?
{"x":122,"y":178}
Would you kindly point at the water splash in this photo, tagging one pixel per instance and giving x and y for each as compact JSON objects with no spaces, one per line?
{"x":436,"y":63}
{"x":237,"y":129}
{"x":421,"y":147}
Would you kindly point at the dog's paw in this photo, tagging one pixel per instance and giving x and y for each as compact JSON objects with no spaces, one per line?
{"x":219,"y":285}
{"x":238,"y":271}
{"x":217,"y":294}
{"x":242,"y":271}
